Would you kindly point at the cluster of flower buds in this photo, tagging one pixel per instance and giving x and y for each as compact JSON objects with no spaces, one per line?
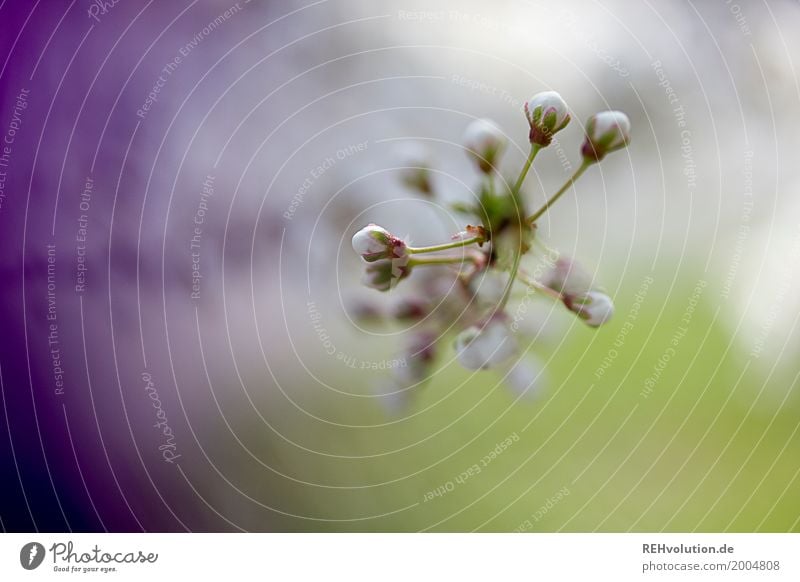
{"x":479,"y":268}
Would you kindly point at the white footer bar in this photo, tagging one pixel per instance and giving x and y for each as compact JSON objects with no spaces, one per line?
{"x":389,"y":557}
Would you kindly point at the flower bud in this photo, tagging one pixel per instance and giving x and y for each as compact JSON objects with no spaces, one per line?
{"x":419,"y":356}
{"x":386,"y":273}
{"x":525,"y":377}
{"x":594,"y":308}
{"x":411,"y":309}
{"x":479,"y":347}
{"x":485,"y":142}
{"x":547,"y":114}
{"x":410,"y":373}
{"x":488,"y":287}
{"x":374,"y":243}
{"x":416,"y":364}
{"x":393,"y":398}
{"x":568,"y":277}
{"x":415,"y":173}
{"x":606,"y":132}
{"x":365,"y":312}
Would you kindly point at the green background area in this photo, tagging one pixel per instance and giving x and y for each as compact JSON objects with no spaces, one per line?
{"x":713,"y":446}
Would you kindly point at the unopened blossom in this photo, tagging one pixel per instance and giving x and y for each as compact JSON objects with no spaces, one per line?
{"x":594,"y":308}
{"x":411,"y":309}
{"x":485,"y":142}
{"x":374,"y":243}
{"x":525,"y":377}
{"x":484,"y":346}
{"x":443,"y":290}
{"x":606,"y":132}
{"x":411,"y":370}
{"x":415,"y":172}
{"x":547,"y":114}
{"x":419,"y":356}
{"x":567,"y":277}
{"x":384,"y":274}
{"x":575,"y":285}
{"x":488,"y":287}
{"x":364,"y":312}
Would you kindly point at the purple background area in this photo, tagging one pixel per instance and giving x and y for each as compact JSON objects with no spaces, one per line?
{"x":75,"y":463}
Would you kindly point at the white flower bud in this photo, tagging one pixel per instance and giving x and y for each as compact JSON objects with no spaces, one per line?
{"x":411,"y":309}
{"x":606,"y":132}
{"x":485,"y":142}
{"x":393,"y":399}
{"x":568,"y":277}
{"x":594,"y":308}
{"x":365,"y":312}
{"x":479,"y":347}
{"x":488,"y":287}
{"x":409,"y":373}
{"x":384,"y":274}
{"x":374,"y":243}
{"x":525,"y":377}
{"x":547,"y":114}
{"x":419,"y":356}
{"x":415,"y":173}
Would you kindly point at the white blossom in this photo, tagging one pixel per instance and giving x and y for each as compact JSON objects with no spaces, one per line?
{"x":606,"y":132}
{"x":547,"y":114}
{"x":485,"y":346}
{"x":525,"y":378}
{"x":485,"y":141}
{"x":415,"y":170}
{"x":488,"y":287}
{"x":594,"y":308}
{"x":384,"y":274}
{"x":374,"y":243}
{"x":568,"y":277}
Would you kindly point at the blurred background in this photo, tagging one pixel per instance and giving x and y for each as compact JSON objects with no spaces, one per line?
{"x":179,"y":183}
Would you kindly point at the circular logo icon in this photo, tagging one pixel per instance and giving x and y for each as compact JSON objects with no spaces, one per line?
{"x":31,"y":555}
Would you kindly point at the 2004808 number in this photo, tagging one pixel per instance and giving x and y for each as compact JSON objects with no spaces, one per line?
{"x":755,"y":565}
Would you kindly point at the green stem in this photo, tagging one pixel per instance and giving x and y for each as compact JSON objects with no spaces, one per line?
{"x":536,"y":215}
{"x":443,"y":247}
{"x":518,"y":254}
{"x":534,"y":150}
{"x":539,"y":287}
{"x":440,"y":260}
{"x":511,"y":277}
